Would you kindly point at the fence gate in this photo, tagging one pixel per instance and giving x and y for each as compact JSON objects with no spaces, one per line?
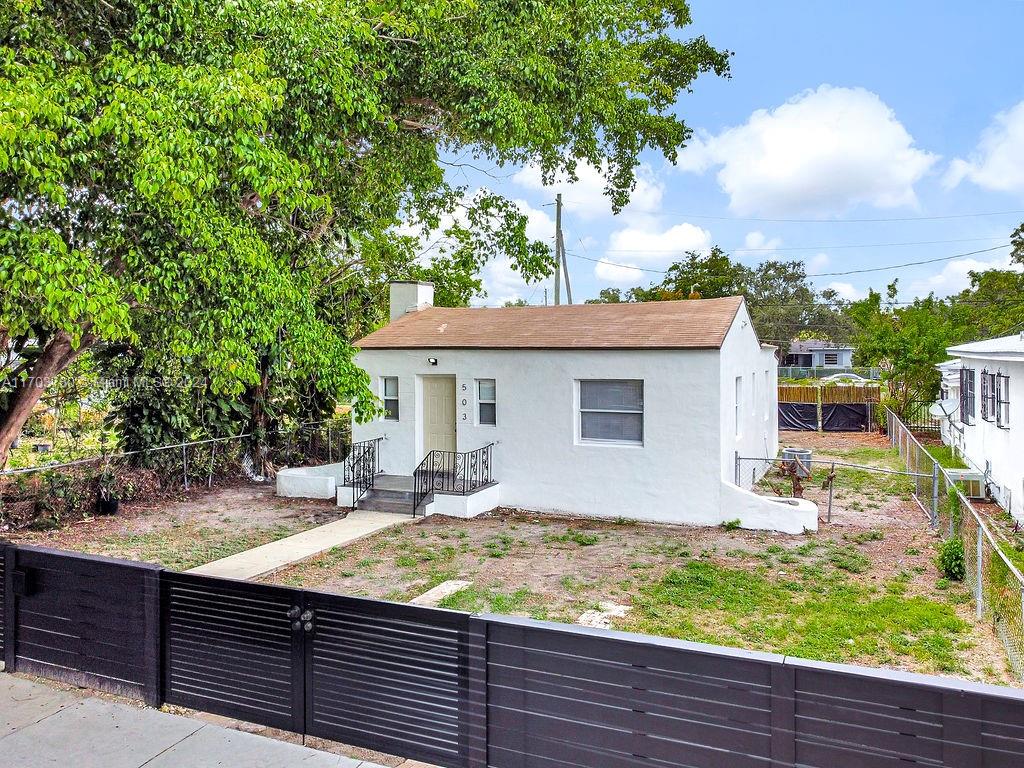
{"x":383,"y":676}
{"x":84,"y":620}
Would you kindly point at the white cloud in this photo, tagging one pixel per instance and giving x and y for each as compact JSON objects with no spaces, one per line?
{"x":618,"y":272}
{"x":997,"y":163}
{"x":954,"y":276}
{"x":847,"y":291}
{"x":821,"y":153}
{"x":642,"y":244}
{"x":759,"y":242}
{"x":817,"y":262}
{"x":585,"y":198}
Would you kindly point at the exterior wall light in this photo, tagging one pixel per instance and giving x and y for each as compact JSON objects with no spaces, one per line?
{"x":432,"y":360}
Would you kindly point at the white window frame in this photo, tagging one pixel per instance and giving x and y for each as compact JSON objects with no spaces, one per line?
{"x":481,"y":401}
{"x":395,"y":399}
{"x":767,"y":394}
{"x":738,"y":406}
{"x":1001,"y":385}
{"x":580,"y":410}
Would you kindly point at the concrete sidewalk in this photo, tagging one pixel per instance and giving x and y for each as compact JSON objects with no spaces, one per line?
{"x":43,"y":727}
{"x":283,"y":552}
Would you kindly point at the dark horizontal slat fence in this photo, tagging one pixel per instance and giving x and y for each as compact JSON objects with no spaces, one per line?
{"x":87,"y":620}
{"x":4,"y":600}
{"x":230,"y":649}
{"x":480,"y":691}
{"x":388,"y":677}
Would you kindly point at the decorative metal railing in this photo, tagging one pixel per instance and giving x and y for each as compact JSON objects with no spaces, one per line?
{"x":360,"y":467}
{"x":451,"y":472}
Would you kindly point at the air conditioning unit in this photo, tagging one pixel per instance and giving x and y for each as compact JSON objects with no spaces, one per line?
{"x":972,"y":483}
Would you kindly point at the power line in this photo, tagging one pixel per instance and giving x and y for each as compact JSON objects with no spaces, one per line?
{"x":845,"y":221}
{"x":816,"y":274}
{"x":813,"y":247}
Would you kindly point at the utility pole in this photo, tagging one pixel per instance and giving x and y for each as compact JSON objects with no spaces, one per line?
{"x":558,"y":249}
{"x":561,"y":265}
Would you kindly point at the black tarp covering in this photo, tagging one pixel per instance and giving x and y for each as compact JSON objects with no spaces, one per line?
{"x":799,"y":416}
{"x":844,"y":417}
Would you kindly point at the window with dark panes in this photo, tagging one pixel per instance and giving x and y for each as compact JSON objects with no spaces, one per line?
{"x":390,"y":387}
{"x":612,"y":410}
{"x":487,"y":402}
{"x":967,"y":395}
{"x":1002,"y":388}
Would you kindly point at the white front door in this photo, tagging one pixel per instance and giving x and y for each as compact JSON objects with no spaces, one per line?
{"x":438,"y":413}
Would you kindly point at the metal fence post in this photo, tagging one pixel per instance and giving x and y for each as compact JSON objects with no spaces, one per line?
{"x":736,"y":473}
{"x":935,"y":494}
{"x":330,"y":446}
{"x":184,"y":465}
{"x":979,"y":588}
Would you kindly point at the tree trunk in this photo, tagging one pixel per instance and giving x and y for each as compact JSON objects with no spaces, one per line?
{"x":57,"y":355}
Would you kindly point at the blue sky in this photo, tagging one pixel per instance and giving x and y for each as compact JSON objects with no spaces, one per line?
{"x":835,"y":112}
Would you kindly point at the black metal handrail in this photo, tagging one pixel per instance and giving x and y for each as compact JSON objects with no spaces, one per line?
{"x":451,"y":472}
{"x":360,"y":467}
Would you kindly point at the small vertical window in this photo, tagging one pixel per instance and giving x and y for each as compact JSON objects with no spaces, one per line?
{"x":1002,"y":404}
{"x":767,"y":394}
{"x":967,"y":405}
{"x":739,"y":403}
{"x":390,"y":391}
{"x":753,"y":392}
{"x":486,"y":398}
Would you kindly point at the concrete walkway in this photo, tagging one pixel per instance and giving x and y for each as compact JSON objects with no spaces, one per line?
{"x":283,"y":552}
{"x":42,"y":727}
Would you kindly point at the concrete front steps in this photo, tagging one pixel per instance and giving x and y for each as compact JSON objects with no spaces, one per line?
{"x":394,"y":494}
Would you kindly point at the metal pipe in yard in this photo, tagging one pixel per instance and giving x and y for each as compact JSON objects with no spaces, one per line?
{"x":935,"y":494}
{"x":831,"y":485}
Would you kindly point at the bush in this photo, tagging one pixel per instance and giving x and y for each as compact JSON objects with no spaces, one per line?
{"x":951,"y":560}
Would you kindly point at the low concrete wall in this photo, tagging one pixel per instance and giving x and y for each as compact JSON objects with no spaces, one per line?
{"x":309,"y":482}
{"x":771,"y":513}
{"x":472,"y":505}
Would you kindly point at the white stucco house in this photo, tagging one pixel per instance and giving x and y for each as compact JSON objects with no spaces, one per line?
{"x":609,"y":410}
{"x":981,"y":387}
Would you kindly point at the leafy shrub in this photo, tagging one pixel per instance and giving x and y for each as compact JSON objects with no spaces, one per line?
{"x":731,"y":525}
{"x":951,"y":560}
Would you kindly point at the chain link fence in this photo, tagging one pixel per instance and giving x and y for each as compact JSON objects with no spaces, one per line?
{"x":995,"y":583}
{"x":50,"y":495}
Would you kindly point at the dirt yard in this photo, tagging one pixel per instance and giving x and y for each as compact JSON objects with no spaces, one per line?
{"x":863,"y":589}
{"x":199,"y":528}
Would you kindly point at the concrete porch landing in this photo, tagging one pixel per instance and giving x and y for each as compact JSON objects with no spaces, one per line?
{"x":283,"y":552}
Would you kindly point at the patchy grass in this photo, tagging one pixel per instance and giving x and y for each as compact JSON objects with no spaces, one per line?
{"x":832,"y":619}
{"x":866,"y":594}
{"x":945,"y":456}
{"x":184,"y":546}
{"x":481,"y":600}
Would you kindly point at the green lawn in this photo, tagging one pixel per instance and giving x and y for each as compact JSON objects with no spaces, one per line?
{"x":813,"y":613}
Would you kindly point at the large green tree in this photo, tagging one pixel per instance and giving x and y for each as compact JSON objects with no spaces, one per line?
{"x":213,"y":177}
{"x":782,"y":301}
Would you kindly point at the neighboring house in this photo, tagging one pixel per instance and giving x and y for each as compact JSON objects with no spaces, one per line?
{"x":982,"y":390}
{"x":608,"y":410}
{"x":815,"y":353}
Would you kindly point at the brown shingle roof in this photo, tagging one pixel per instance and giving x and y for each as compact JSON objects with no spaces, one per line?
{"x":690,"y":324}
